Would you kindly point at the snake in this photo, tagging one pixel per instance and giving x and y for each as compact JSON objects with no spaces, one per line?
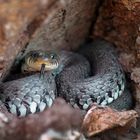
{"x":90,"y":75}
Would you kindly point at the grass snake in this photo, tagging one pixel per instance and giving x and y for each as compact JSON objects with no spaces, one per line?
{"x":92,"y":74}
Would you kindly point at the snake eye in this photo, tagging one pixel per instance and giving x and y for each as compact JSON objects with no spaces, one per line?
{"x":52,"y":56}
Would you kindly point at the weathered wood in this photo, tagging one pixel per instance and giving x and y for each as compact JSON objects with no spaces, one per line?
{"x":68,"y":28}
{"x":118,"y":22}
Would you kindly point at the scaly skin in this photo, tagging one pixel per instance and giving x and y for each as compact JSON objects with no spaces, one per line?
{"x":77,"y":81}
{"x":28,"y":95}
{"x":105,"y":85}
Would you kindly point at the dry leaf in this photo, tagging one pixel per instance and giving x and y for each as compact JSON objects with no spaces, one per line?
{"x":99,"y":119}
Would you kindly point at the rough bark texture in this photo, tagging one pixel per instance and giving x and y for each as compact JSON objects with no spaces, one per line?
{"x":68,"y":28}
{"x":118,"y":22}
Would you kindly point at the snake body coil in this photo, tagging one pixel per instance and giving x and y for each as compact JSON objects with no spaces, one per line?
{"x":94,"y":76}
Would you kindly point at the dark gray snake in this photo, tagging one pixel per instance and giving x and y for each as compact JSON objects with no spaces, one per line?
{"x":91,"y":75}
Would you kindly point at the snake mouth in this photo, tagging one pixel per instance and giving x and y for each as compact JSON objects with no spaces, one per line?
{"x":34,"y":60}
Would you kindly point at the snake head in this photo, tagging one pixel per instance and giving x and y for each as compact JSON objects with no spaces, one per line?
{"x":34,"y":60}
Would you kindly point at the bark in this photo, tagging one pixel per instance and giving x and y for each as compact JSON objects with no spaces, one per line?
{"x":118,"y":22}
{"x":68,"y":28}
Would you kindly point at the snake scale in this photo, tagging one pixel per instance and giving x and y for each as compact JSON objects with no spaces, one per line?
{"x":92,"y":74}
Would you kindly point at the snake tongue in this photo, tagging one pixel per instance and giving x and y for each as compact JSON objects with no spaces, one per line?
{"x":42,"y":71}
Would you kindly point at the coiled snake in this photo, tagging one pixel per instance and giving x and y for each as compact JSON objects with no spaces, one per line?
{"x":91,"y":75}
